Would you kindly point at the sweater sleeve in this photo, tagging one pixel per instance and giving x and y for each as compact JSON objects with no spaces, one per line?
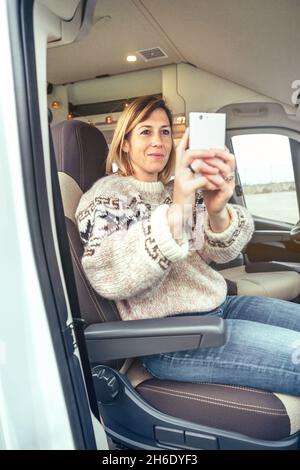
{"x":127,"y":252}
{"x":226,"y":246}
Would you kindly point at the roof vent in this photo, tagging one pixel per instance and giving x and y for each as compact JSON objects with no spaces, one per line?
{"x":152,"y":54}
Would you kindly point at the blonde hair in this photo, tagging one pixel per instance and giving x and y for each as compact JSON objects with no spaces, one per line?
{"x":139,"y":110}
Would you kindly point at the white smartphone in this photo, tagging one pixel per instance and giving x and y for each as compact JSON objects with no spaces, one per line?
{"x":207,"y":130}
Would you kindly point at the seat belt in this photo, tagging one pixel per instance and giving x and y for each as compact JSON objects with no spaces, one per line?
{"x":64,"y":248}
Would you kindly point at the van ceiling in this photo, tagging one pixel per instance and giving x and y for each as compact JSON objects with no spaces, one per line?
{"x":64,"y":10}
{"x":253,"y":43}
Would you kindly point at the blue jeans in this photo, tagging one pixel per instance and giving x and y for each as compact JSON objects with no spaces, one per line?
{"x":262,"y":348}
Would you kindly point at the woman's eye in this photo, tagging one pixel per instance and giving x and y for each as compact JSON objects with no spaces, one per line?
{"x":147,"y":132}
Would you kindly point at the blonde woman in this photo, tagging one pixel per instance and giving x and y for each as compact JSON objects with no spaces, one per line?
{"x":148,"y":241}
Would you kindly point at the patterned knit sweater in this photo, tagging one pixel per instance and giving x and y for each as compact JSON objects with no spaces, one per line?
{"x":130,"y":255}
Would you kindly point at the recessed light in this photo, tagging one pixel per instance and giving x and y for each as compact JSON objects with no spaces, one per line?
{"x":55,"y":104}
{"x":179,"y":119}
{"x":131,"y":58}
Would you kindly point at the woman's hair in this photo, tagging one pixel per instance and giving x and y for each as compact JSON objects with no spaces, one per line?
{"x":139,"y":110}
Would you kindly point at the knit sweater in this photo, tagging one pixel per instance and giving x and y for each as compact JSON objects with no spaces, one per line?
{"x":130,"y":255}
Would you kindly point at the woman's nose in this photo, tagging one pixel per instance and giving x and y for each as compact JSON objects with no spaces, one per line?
{"x":157,"y":140}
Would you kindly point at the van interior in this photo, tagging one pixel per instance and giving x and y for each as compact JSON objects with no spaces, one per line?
{"x":236,"y":57}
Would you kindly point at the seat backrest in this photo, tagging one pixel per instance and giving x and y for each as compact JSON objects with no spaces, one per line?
{"x":81,"y":152}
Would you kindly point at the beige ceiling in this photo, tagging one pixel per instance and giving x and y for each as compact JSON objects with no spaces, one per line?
{"x":255,"y":43}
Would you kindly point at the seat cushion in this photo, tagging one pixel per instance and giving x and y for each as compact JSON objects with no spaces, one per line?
{"x":283,"y":285}
{"x":252,"y":412}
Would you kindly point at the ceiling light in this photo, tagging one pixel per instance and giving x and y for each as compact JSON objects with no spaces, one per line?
{"x":131,"y":58}
{"x":55,"y":104}
{"x":179,"y":119}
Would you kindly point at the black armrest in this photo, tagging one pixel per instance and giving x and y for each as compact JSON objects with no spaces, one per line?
{"x":124,"y":339}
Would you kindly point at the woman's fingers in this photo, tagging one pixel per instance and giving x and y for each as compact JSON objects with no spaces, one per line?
{"x":210,"y":187}
{"x":209,"y":168}
{"x":201,"y":166}
{"x":211,"y":165}
{"x":217,"y":180}
{"x":202,"y":182}
{"x":218,"y":163}
{"x":225,"y":158}
{"x":184,"y":142}
{"x":191,"y":155}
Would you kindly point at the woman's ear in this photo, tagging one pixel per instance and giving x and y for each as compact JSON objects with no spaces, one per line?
{"x":125,"y":146}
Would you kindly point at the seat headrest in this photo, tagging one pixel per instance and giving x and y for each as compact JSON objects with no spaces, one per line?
{"x":81,"y":151}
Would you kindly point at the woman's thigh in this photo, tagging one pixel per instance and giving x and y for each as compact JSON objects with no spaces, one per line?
{"x":256,"y":355}
{"x":263,"y":310}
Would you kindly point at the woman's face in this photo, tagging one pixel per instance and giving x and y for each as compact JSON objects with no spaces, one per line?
{"x":149,"y":146}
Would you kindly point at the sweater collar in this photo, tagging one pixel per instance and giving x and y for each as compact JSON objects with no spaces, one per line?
{"x":147,"y":187}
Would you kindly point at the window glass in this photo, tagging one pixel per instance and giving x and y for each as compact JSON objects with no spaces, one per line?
{"x":265,"y":168}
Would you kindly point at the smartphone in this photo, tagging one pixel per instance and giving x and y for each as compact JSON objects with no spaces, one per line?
{"x":207,"y":130}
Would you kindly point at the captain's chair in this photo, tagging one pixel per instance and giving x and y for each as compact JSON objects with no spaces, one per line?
{"x":138,"y":410}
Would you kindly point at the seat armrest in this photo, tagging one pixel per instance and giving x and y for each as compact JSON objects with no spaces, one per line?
{"x":134,"y":338}
{"x":271,"y":266}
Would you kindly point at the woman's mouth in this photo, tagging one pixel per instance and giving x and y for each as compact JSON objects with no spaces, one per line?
{"x":156,"y":155}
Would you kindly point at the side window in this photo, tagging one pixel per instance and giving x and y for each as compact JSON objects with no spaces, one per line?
{"x":264,"y":164}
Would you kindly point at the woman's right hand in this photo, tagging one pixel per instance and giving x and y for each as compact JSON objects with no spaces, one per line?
{"x":208,"y":170}
{"x":204,"y":163}
{"x":186,"y":183}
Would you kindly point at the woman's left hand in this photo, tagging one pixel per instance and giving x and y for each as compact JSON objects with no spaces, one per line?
{"x":216,"y":200}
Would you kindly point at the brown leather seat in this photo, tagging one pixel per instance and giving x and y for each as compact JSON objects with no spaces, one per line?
{"x":255,"y":413}
{"x":81,"y":152}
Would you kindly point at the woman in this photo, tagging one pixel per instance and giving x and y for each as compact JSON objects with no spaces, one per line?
{"x":148,"y":242}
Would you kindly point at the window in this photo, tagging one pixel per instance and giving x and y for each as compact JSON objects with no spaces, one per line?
{"x":264,"y":164}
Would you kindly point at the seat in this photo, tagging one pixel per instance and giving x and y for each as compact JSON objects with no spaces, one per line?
{"x":139,"y":411}
{"x":281,"y":284}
